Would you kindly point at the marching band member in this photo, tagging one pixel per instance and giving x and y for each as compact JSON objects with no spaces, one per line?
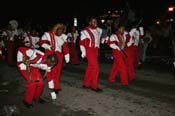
{"x":117,"y":43}
{"x":29,"y":61}
{"x":55,"y":41}
{"x":90,"y":40}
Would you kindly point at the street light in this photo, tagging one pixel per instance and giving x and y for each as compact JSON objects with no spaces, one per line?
{"x":102,"y":20}
{"x":170,"y":9}
{"x":157,"y":22}
{"x":75,"y":22}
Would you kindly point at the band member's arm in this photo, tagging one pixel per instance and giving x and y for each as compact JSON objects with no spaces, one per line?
{"x":141,"y":30}
{"x":112,"y":42}
{"x":129,"y":36}
{"x":83,"y":42}
{"x":44,"y":42}
{"x":66,"y":52}
{"x":22,"y":64}
{"x":42,"y":66}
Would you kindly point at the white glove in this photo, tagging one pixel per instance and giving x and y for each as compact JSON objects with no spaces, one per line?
{"x":48,"y":69}
{"x":83,"y":51}
{"x":83,"y":55}
{"x":40,"y":66}
{"x":141,"y":31}
{"x":67,"y":58}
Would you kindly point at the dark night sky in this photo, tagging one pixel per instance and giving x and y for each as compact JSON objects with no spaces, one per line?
{"x":49,"y":10}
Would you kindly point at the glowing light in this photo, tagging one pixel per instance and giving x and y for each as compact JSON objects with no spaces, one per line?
{"x":170,"y":9}
{"x":75,"y":22}
{"x":171,"y":20}
{"x":157,"y":22}
{"x":102,"y":20}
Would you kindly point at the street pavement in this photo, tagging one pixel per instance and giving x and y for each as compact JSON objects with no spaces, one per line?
{"x":151,"y":93}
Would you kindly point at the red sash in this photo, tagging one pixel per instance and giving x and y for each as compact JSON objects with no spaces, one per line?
{"x":120,"y":40}
{"x":23,"y":51}
{"x":72,"y":38}
{"x":52,"y":40}
{"x":91,"y":37}
{"x":38,"y":56}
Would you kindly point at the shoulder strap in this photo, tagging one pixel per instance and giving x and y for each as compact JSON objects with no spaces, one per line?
{"x":52,"y":39}
{"x":91,"y":36}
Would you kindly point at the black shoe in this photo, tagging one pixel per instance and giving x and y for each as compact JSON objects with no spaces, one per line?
{"x":27,"y":104}
{"x":41,"y":101}
{"x":57,"y":90}
{"x":86,"y":87}
{"x":98,"y":90}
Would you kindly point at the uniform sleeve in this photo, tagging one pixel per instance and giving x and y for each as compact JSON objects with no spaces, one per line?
{"x":83,"y":51}
{"x":83,"y":41}
{"x":21,"y":66}
{"x":41,"y":66}
{"x":129,"y":37}
{"x":112,"y":42}
{"x":66,"y":52}
{"x":44,"y":42}
{"x":132,"y":32}
{"x":19,"y":56}
{"x":66,"y":49}
{"x":141,"y":31}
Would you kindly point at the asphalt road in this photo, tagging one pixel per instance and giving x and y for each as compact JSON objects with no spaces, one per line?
{"x":152,"y":93}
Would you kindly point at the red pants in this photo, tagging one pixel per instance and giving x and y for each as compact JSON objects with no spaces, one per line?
{"x":56,"y":71}
{"x":119,"y":66}
{"x":129,"y":63}
{"x":92,"y":71}
{"x":73,"y":53}
{"x":10,"y":52}
{"x":33,"y":89}
{"x":136,"y":56}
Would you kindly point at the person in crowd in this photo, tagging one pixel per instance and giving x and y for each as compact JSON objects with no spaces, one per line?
{"x":117,"y":43}
{"x":73,"y":36}
{"x":136,"y":33}
{"x":32,"y":40}
{"x":55,"y":41}
{"x":29,"y":61}
{"x":145,"y":41}
{"x":90,"y":40}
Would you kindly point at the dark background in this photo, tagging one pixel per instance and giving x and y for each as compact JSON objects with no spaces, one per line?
{"x":48,"y":11}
